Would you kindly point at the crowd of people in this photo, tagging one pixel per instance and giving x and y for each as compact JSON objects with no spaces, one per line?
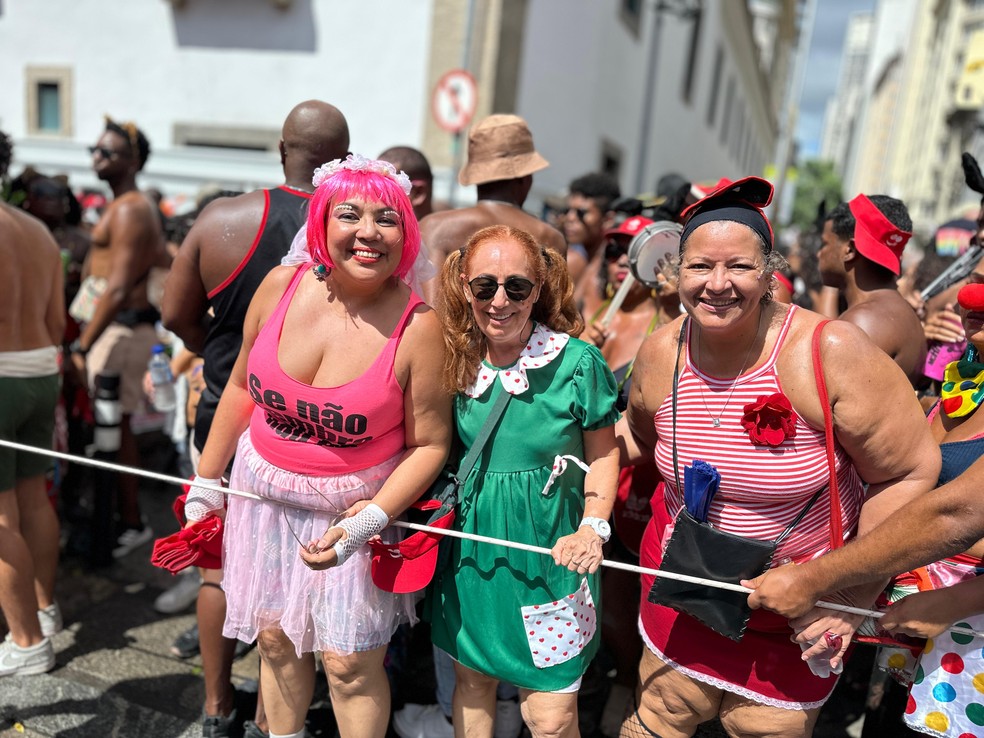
{"x":770,"y":410}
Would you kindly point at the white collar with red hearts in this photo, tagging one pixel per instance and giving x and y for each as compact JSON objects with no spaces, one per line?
{"x":543,"y":347}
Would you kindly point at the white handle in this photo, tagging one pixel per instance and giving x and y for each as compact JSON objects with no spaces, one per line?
{"x":619,"y":298}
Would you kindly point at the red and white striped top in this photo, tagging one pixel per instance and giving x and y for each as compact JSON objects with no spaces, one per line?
{"x":762,"y":487}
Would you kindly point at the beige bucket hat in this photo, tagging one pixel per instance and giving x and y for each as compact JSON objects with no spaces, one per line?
{"x":500,"y":147}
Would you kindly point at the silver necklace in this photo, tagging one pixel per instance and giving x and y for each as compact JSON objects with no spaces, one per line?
{"x":716,"y":421}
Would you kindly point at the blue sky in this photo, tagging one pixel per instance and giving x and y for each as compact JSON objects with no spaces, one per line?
{"x":822,"y":68}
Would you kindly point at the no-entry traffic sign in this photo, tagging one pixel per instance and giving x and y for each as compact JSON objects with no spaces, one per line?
{"x":454,"y":101}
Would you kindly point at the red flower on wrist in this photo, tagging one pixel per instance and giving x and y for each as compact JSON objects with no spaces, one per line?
{"x":769,"y":420}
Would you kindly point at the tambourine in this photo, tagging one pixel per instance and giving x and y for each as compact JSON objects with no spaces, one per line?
{"x":655,"y":242}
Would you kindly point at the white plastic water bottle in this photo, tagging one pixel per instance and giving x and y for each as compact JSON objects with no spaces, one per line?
{"x":165,"y":398}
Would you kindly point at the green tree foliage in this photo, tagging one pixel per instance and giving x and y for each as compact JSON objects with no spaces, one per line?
{"x":817,"y":182}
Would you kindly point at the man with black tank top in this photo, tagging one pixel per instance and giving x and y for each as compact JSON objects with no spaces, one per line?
{"x":232,"y":246}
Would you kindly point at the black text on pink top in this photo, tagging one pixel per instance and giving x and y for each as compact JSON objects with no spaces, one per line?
{"x":325,"y":424}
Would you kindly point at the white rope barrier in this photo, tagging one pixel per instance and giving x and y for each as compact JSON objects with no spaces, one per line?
{"x":119,"y":468}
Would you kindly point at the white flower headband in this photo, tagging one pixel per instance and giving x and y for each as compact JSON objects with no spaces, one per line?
{"x":359,"y":163}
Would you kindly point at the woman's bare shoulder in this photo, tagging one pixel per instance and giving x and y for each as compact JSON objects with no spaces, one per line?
{"x":661,"y":346}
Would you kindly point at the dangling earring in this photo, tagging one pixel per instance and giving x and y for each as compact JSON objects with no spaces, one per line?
{"x":609,"y":291}
{"x":320,"y":272}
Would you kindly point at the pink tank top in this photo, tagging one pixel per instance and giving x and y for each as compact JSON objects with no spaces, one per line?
{"x":323,"y":431}
{"x":762,"y":487}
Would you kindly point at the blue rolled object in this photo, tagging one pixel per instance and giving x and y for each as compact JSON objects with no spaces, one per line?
{"x":701,"y":482}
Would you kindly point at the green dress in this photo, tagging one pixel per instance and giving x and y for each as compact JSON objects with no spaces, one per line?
{"x":503,"y":612}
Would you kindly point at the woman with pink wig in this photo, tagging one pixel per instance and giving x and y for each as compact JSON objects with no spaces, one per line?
{"x":337,"y":420}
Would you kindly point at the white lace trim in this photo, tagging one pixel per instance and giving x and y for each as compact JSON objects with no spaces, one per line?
{"x":728,"y":686}
{"x":543,"y":347}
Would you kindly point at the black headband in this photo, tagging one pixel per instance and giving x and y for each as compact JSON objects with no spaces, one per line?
{"x":734,"y":211}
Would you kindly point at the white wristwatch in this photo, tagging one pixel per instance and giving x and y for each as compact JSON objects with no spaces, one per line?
{"x":599,"y":526}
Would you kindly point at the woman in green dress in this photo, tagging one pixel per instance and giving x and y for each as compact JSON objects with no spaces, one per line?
{"x":510,"y":325}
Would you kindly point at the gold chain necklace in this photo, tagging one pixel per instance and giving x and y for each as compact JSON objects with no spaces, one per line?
{"x":716,"y":421}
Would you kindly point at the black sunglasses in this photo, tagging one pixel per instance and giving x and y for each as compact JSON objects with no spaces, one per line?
{"x":615,"y":250}
{"x":517,"y":288}
{"x":103,"y":152}
{"x":579,"y":212}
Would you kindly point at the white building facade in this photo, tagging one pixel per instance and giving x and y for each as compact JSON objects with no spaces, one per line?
{"x":210,"y":82}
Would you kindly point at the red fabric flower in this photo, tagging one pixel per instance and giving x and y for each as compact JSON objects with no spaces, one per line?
{"x":769,"y":420}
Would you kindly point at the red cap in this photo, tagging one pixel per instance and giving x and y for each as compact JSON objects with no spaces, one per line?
{"x":876,"y":237}
{"x":753,"y":191}
{"x":629,"y":227}
{"x":408,"y":566}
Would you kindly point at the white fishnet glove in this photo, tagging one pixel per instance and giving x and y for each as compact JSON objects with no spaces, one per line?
{"x":201,"y":502}
{"x":360,"y":528}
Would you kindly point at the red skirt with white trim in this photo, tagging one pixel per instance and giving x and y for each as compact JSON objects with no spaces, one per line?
{"x":765,"y":667}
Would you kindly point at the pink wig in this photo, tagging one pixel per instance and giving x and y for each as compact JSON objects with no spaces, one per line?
{"x":368,"y":186}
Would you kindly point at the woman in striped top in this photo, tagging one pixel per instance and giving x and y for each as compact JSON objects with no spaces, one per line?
{"x":740,"y":349}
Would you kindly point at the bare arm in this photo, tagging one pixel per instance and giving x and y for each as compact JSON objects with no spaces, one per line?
{"x":582,"y":549}
{"x":184,"y":309}
{"x":927,"y":614}
{"x":427,"y":412}
{"x":652,"y":380}
{"x":54,"y":317}
{"x":236,"y":406}
{"x":880,"y":424}
{"x":942,"y":523}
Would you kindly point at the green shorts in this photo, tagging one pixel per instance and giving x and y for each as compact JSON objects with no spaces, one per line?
{"x":27,"y":415}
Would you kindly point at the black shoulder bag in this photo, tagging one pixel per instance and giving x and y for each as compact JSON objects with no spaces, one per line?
{"x":698,"y":549}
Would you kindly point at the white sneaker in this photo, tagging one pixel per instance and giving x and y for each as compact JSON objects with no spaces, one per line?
{"x":17,"y":661}
{"x":422,"y":721}
{"x":508,"y":719}
{"x":131,"y":539}
{"x":50,"y":618}
{"x":181,"y":596}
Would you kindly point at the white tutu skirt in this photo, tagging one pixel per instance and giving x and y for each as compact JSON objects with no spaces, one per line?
{"x":267,"y":585}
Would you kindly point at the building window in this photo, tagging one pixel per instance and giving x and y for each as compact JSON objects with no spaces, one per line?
{"x":611,"y":159}
{"x":690,"y":70}
{"x":49,"y":101}
{"x":49,"y":108}
{"x":712,"y":101}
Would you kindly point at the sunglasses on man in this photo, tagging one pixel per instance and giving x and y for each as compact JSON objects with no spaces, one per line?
{"x":485,"y":288}
{"x":103,"y":152}
{"x":615,"y":250}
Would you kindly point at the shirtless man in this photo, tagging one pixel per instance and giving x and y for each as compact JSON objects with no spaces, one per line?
{"x":32,"y":320}
{"x":231,"y":247}
{"x":119,"y":332}
{"x":501,"y":161}
{"x":861,"y":256}
{"x":588,"y":216}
